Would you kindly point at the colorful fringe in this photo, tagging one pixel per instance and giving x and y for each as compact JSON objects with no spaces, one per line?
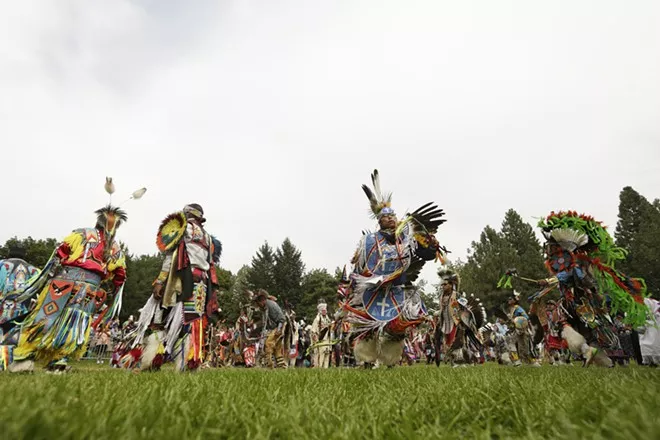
{"x":108,"y":314}
{"x":6,"y":356}
{"x":67,"y":338}
{"x":625,"y":293}
{"x":196,"y":351}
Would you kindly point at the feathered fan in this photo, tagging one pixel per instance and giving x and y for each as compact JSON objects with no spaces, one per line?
{"x":478,"y":310}
{"x":427,"y":218}
{"x":415,"y":267}
{"x":537,"y":327}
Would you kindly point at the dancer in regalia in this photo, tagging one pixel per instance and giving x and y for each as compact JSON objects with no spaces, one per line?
{"x":580,"y":256}
{"x":87,"y":267}
{"x":457,"y":322}
{"x":321,"y":337}
{"x":15,"y":273}
{"x":549,"y":316}
{"x":184,"y":293}
{"x":381,"y":299}
{"x":524,"y":333}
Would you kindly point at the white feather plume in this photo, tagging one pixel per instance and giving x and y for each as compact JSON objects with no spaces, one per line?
{"x":109,"y":186}
{"x":137,"y":194}
{"x":375,"y":179}
{"x":569,"y":239}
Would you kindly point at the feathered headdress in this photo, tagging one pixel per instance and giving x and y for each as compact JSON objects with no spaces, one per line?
{"x":450,"y":276}
{"x":110,"y":218}
{"x":380,"y":204}
{"x":515,"y":296}
{"x":573,"y":231}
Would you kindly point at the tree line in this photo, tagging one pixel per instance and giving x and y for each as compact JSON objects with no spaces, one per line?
{"x":282,"y":272}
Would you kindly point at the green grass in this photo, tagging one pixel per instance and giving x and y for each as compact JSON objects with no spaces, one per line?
{"x":419,"y":402}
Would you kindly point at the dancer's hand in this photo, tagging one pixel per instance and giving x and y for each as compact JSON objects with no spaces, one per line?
{"x":158,"y":290}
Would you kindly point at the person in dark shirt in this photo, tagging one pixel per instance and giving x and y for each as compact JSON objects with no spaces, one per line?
{"x":273,"y":322}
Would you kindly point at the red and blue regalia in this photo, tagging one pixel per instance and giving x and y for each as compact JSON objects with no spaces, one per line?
{"x":381,"y":300}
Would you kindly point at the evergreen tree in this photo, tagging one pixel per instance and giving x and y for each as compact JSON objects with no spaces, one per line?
{"x":638,"y":231}
{"x":631,"y":208}
{"x":487,"y":260}
{"x":515,"y":246}
{"x":339,"y":272}
{"x":262,"y":270}
{"x":289,"y":269}
{"x":528,"y":249}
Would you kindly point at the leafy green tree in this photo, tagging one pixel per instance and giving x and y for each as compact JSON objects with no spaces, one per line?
{"x":317,"y":284}
{"x":37,"y":252}
{"x":232,"y":299}
{"x":225,"y":278}
{"x":141,"y":271}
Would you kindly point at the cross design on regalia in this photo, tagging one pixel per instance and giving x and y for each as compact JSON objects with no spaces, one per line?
{"x":384,"y":305}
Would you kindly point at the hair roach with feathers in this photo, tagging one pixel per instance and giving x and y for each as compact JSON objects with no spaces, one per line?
{"x":377,"y":200}
{"x":102,"y":213}
{"x":451,"y":276}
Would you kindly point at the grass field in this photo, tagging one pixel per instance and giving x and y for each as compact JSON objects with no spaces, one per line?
{"x":408,"y":402}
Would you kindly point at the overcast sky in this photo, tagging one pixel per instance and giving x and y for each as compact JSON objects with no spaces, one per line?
{"x":272,"y":113}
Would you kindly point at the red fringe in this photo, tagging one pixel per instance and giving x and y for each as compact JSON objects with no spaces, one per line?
{"x":358,"y":312}
{"x":98,"y":320}
{"x":399,"y":326}
{"x":617,"y":278}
